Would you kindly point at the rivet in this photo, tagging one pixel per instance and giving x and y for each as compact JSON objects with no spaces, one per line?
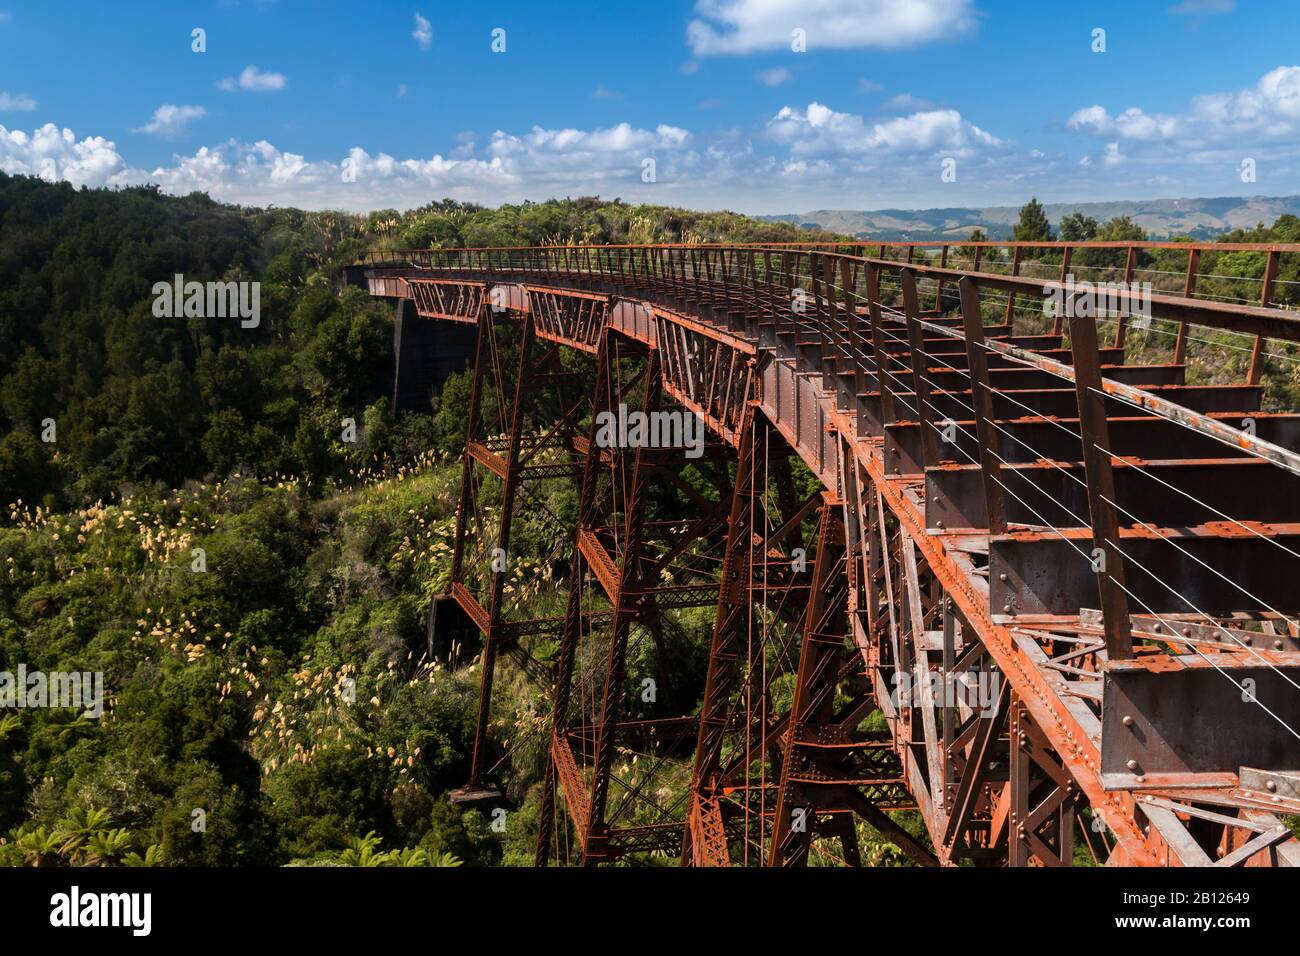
{"x":1132,"y":765}
{"x":1002,"y":577}
{"x":1271,"y":785}
{"x":1128,"y":721}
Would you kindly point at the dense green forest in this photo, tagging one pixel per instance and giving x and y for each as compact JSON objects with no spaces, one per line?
{"x":282,"y":691}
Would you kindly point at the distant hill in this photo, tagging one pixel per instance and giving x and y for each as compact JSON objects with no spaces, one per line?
{"x":1199,"y":218}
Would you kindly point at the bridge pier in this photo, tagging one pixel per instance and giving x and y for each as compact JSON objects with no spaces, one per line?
{"x":425,"y":353}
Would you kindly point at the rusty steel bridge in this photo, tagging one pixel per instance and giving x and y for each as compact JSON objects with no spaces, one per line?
{"x":1042,"y":595}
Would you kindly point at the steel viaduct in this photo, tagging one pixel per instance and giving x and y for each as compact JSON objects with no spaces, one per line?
{"x":1044,"y":596}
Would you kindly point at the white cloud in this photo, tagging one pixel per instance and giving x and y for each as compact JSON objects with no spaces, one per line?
{"x":55,"y":154}
{"x":1133,"y":123}
{"x":774,"y":77}
{"x":1268,"y":112}
{"x":423,"y":32}
{"x":541,"y":162}
{"x":803,"y":157}
{"x":748,"y":26}
{"x":803,"y":170}
{"x":15,"y":102}
{"x":580,"y":145}
{"x":253,"y":80}
{"x":169,"y":120}
{"x":820,"y":131}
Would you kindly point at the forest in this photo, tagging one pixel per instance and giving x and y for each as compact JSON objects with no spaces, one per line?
{"x":268,"y":701}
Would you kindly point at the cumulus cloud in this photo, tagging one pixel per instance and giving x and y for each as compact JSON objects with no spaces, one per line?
{"x":56,"y":154}
{"x":508,"y":166}
{"x":774,"y":77}
{"x":423,"y":32}
{"x":821,"y":131}
{"x":802,"y":157}
{"x":748,"y":26}
{"x":582,"y":145}
{"x":170,"y":120}
{"x":253,"y":80}
{"x":1133,"y":123}
{"x":15,"y":102}
{"x":1267,"y":112}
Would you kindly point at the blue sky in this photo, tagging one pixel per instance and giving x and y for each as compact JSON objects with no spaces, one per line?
{"x":369,"y":105}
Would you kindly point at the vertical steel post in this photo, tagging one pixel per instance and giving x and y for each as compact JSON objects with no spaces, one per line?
{"x":603,"y":400}
{"x":888,"y":414}
{"x":1095,"y":433}
{"x":1256,"y":372}
{"x":1189,"y":290}
{"x":1121,"y":323}
{"x":982,"y":403}
{"x":920,"y":380}
{"x":624,"y":612}
{"x":492,"y":639}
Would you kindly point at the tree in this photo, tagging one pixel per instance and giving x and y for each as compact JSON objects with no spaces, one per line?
{"x":1033,"y":225}
{"x":26,"y":470}
{"x":1076,"y":227}
{"x":966,"y":254}
{"x":1121,"y":229}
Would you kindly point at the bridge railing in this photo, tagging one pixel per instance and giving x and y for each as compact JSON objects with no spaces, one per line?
{"x":1177,"y":279}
